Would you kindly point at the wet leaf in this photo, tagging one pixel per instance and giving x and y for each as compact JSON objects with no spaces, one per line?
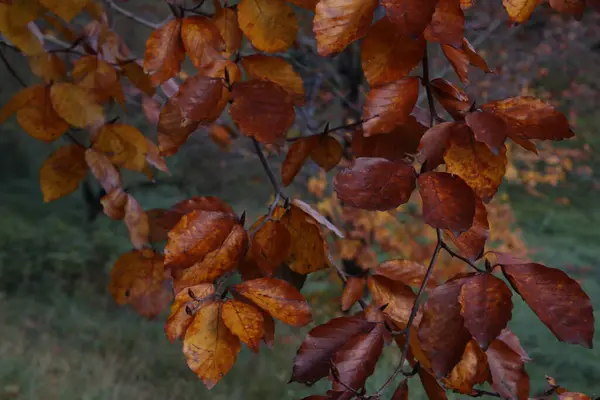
{"x":271,"y":26}
{"x":105,"y":172}
{"x":353,"y":291}
{"x":62,"y":172}
{"x":276,"y":70}
{"x":244,"y":321}
{"x":164,"y":52}
{"x":397,"y":298}
{"x":509,"y":377}
{"x":179,"y":320}
{"x":124,"y":145}
{"x":75,"y":105}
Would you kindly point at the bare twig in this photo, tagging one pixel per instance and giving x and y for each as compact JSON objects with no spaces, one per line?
{"x":131,"y":15}
{"x":463,"y":259}
{"x":267,"y":168}
{"x":426,"y":80}
{"x":12,"y":70}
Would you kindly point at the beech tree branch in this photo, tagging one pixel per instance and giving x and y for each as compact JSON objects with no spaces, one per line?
{"x":267,"y":168}
{"x":131,"y":15}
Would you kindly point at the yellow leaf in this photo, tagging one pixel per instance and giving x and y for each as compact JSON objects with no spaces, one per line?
{"x":96,"y":76}
{"x":136,"y":75}
{"x":48,"y":66}
{"x":66,"y":9}
{"x":38,"y":118}
{"x":164,"y":52}
{"x":62,"y":172}
{"x":270,"y":25}
{"x":520,"y":10}
{"x":276,"y":70}
{"x":19,"y":100}
{"x":244,"y":321}
{"x":75,"y":105}
{"x":124,"y":145}
{"x":179,"y":320}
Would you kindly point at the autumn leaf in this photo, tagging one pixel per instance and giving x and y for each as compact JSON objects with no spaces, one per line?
{"x":441,"y":315}
{"x":512,"y":341}
{"x":154,"y":158}
{"x":173,"y":127}
{"x":226,"y":21}
{"x":262,"y":109}
{"x":401,"y":392}
{"x":65,"y":9}
{"x":105,"y":172}
{"x":328,"y":153}
{"x":36,"y":115}
{"x":389,"y":105}
{"x":270,"y":25}
{"x":179,"y":320}
{"x":164,"y":52}
{"x":488,"y":128}
{"x":276,"y":70}
{"x":432,"y":388}
{"x":97,"y":77}
{"x":448,"y":202}
{"x":459,"y":60}
{"x":434,"y":142}
{"x":387,"y":54}
{"x":200,"y":99}
{"x":313,"y":360}
{"x":355,"y":361}
{"x":507,"y":369}
{"x":114,"y":203}
{"x":124,"y":145}
{"x":354,"y":289}
{"x":48,"y":66}
{"x":270,"y":245}
{"x":338,"y":23}
{"x":75,"y":105}
{"x":410,"y":16}
{"x":486,"y":306}
{"x":313,"y":214}
{"x":137,"y":223}
{"x":472,"y":242}
{"x":573,"y":396}
{"x":201,"y":40}
{"x":408,"y":272}
{"x":136,"y":75}
{"x":138,"y":278}
{"x":573,"y":7}
{"x":397,"y":298}
{"x":520,"y":10}
{"x":447,"y":25}
{"x":557,"y":300}
{"x":397,"y":145}
{"x":295,"y":158}
{"x":20,"y":100}
{"x":451,"y":97}
{"x":244,"y":321}
{"x":62,"y":172}
{"x":209,"y":347}
{"x":375,"y":183}
{"x":475,"y":163}
{"x":472,"y":369}
{"x":278,"y":298}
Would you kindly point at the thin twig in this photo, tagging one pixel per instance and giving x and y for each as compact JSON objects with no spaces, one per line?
{"x":267,"y":168}
{"x":337,"y":128}
{"x":426,"y":82}
{"x":131,"y":16}
{"x":74,"y":140}
{"x":12,"y":70}
{"x":463,"y":259}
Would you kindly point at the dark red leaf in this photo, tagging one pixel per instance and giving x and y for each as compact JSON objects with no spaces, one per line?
{"x":509,"y":377}
{"x":488,"y":128}
{"x":472,"y":242}
{"x":435,"y":141}
{"x":401,"y":392}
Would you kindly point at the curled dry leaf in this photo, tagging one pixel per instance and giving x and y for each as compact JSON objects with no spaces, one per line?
{"x":338,"y":23}
{"x":278,"y":298}
{"x":62,"y":172}
{"x":202,"y":41}
{"x":313,"y":360}
{"x":448,"y":202}
{"x":520,"y":10}
{"x":442,"y":314}
{"x":263,"y":110}
{"x":164,"y":52}
{"x":472,"y":369}
{"x":354,"y":289}
{"x":138,"y":278}
{"x":276,"y":70}
{"x":105,"y":172}
{"x":486,"y":307}
{"x":557,"y":300}
{"x":507,"y":369}
{"x":472,"y":242}
{"x":179,"y":319}
{"x":124,"y":145}
{"x":375,"y":183}
{"x":75,"y":105}
{"x":397,"y":298}
{"x":390,"y":105}
{"x":245,"y":321}
{"x":271,"y":26}
{"x":411,"y":17}
{"x":270,"y":245}
{"x":137,"y":223}
{"x":408,"y":272}
{"x":387,"y":54}
{"x":447,"y":25}
{"x":209,"y":347}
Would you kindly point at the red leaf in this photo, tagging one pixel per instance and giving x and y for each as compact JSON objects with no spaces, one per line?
{"x":488,"y":128}
{"x":409,"y":272}
{"x":411,"y":17}
{"x":448,"y":24}
{"x":401,"y":392}
{"x":557,"y":300}
{"x":353,"y":291}
{"x":164,"y":52}
{"x":472,"y":242}
{"x":451,"y":97}
{"x":435,"y":141}
{"x":509,"y":377}
{"x":397,"y":298}
{"x":508,"y":337}
{"x":432,"y":387}
{"x":375,"y":183}
{"x":200,"y":99}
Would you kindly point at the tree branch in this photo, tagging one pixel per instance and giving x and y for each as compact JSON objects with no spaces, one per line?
{"x":463,"y":259}
{"x":12,"y":70}
{"x":267,"y":168}
{"x":131,"y":16}
{"x":433,"y":116}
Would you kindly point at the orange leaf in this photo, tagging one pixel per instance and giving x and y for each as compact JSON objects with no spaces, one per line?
{"x":338,"y":23}
{"x":265,"y":99}
{"x":471,"y":370}
{"x":432,"y":388}
{"x":270,"y":246}
{"x":137,"y":223}
{"x":328,"y":153}
{"x":209,"y":347}
{"x":65,"y":9}
{"x":472,"y":242}
{"x":14,"y":20}
{"x":397,"y":298}
{"x":409,"y":272}
{"x":280,"y":299}
{"x":276,"y":70}
{"x":179,"y":320}
{"x":520,"y":10}
{"x":459,"y":61}
{"x":573,"y":396}
{"x":37,"y":117}
{"x":299,"y":151}
{"x":75,"y":105}
{"x":573,"y":7}
{"x":475,"y":163}
{"x":488,"y":128}
{"x":486,"y":306}
{"x":137,"y":278}
{"x":448,"y":24}
{"x":557,"y":300}
{"x":136,"y":75}
{"x":474,"y":59}
{"x":124,"y":145}
{"x":226,"y":21}
{"x":20,"y":100}
{"x":507,"y":369}
{"x":202,"y":41}
{"x":173,"y":127}
{"x":164,"y":52}
{"x":114,"y":203}
{"x":410,"y":16}
{"x":244,"y":321}
{"x":200,"y":99}
{"x":48,"y":66}
{"x":389,"y":105}
{"x":104,"y":171}
{"x":270,"y":25}
{"x":354,"y":290}
{"x":448,"y":202}
{"x":375,"y":183}
{"x":451,"y":97}
{"x":387,"y":55}
{"x":435,"y":141}
{"x":98,"y":77}
{"x":62,"y":172}
{"x":314,"y":214}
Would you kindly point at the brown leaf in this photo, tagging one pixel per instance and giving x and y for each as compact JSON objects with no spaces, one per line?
{"x":105,"y":172}
{"x":271,"y":26}
{"x":435,"y":142}
{"x":531,"y":118}
{"x":440,"y":317}
{"x":409,"y":272}
{"x":474,"y":59}
{"x":573,"y":396}
{"x":244,"y":321}
{"x":338,"y":23}
{"x":375,"y":183}
{"x":459,"y":61}
{"x":410,"y":16}
{"x":164,"y":52}
{"x":97,"y":77}
{"x":357,"y":358}
{"x":65,"y":9}
{"x":137,"y":223}
{"x":353,"y":291}
{"x":328,"y":153}
{"x":280,"y":299}
{"x":475,"y":163}
{"x":510,"y":339}
{"x":179,"y":320}
{"x":75,"y":105}
{"x":314,"y":214}
{"x":276,"y":70}
{"x":447,"y":25}
{"x":486,"y":306}
{"x":397,"y":298}
{"x":209,"y":347}
{"x":114,"y":203}
{"x":263,"y":110}
{"x":557,"y":300}
{"x":62,"y":172}
{"x":472,"y":242}
{"x":297,"y":155}
{"x":520,"y":10}
{"x":201,"y":40}
{"x":200,"y":99}
{"x":509,"y":377}
{"x":36,"y":114}
{"x":270,"y":246}
{"x":313,"y":360}
{"x":390,"y":105}
{"x":154,"y":158}
{"x":136,"y":75}
{"x":387,"y":54}
{"x":48,"y":66}
{"x":451,"y":97}
{"x":401,"y":392}
{"x":226,"y":20}
{"x":432,"y":388}
{"x":173,"y":127}
{"x":308,"y":252}
{"x":448,"y":202}
{"x":488,"y":128}
{"x":138,"y":278}
{"x":471,"y":370}
{"x":124,"y":145}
